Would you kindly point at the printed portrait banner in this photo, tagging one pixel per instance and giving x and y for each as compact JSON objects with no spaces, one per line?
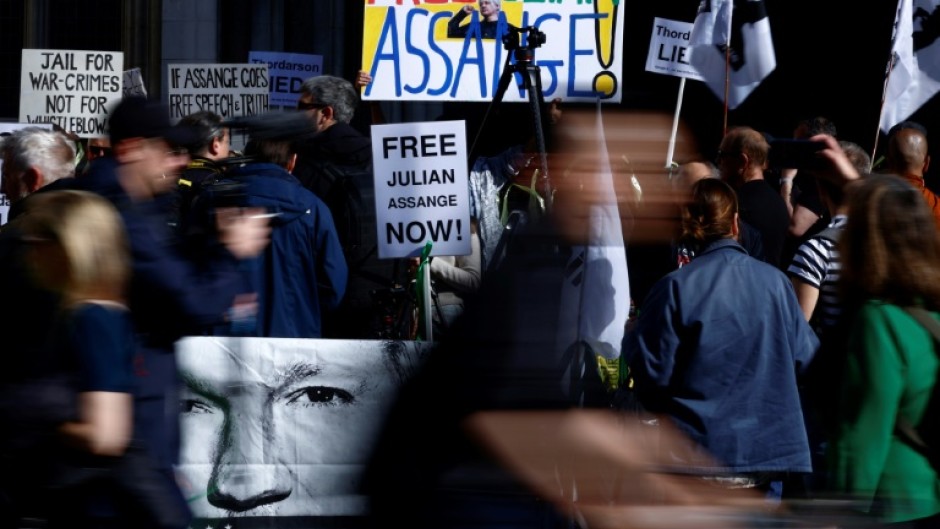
{"x":669,"y":49}
{"x":426,"y":50}
{"x":4,"y":201}
{"x":229,"y":90}
{"x":74,"y":89}
{"x":134,"y":83}
{"x":422,"y":191}
{"x":286,"y":73}
{"x":277,"y":432}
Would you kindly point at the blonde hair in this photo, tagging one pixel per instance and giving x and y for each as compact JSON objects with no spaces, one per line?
{"x":91,"y":236}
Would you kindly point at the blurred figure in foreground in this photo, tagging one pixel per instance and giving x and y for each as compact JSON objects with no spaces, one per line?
{"x":718,"y":347}
{"x":100,"y":476}
{"x":890,"y":255}
{"x":173,"y":293}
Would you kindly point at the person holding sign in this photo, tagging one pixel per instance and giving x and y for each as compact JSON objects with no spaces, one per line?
{"x":489,"y":16}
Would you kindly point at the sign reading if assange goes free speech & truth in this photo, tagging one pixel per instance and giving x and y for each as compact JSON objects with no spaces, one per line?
{"x":421,"y":188}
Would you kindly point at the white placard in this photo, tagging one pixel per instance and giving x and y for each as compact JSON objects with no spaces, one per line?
{"x":229,"y":90}
{"x":134,"y":83}
{"x":669,"y":49}
{"x":71,"y":88}
{"x":421,"y":188}
{"x":287,"y":72}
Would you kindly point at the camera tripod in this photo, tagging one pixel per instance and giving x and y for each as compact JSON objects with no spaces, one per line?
{"x":521,"y":60}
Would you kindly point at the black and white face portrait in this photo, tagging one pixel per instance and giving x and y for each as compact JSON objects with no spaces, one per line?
{"x":279,"y":427}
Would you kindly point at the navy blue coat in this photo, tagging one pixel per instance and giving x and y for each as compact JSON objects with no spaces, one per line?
{"x":717,"y":348}
{"x":302,"y":273}
{"x":172,"y":294}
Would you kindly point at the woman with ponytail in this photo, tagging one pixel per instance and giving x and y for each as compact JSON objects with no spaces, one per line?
{"x":717,"y":350}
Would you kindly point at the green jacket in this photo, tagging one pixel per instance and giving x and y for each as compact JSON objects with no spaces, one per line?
{"x":890,"y":368}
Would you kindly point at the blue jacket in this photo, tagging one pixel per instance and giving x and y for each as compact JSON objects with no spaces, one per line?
{"x":173,"y":293}
{"x":302,"y":273}
{"x":717,"y":348}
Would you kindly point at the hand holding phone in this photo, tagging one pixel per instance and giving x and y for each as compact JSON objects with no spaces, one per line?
{"x":795,"y":154}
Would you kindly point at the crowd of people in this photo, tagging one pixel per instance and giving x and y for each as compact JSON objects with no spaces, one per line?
{"x":776,"y":333}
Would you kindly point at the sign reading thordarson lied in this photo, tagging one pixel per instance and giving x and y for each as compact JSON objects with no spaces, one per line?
{"x":453,"y":50}
{"x":669,"y":49}
{"x":229,"y":90}
{"x":287,"y":71}
{"x":421,"y":188}
{"x":70,"y":88}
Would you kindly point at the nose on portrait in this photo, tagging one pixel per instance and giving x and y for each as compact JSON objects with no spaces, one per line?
{"x":242,"y":487}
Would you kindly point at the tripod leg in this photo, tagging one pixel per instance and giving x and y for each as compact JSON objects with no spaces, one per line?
{"x":533,"y":87}
{"x":501,"y":88}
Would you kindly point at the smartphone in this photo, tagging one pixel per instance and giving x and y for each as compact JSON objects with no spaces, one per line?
{"x":794,"y":154}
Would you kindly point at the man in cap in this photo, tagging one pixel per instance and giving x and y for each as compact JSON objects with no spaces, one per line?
{"x":172,"y":294}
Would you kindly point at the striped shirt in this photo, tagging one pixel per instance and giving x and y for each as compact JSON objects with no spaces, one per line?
{"x":817,"y":263}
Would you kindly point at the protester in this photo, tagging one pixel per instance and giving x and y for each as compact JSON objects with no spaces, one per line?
{"x":99,"y":475}
{"x":302,"y":274}
{"x":171,"y":294}
{"x":717,"y":349}
{"x":909,"y":158}
{"x":889,"y":252}
{"x":34,"y":158}
{"x":742,"y":159}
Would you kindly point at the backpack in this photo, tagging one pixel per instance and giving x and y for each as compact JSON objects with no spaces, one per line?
{"x":349,"y":193}
{"x":924,"y":437}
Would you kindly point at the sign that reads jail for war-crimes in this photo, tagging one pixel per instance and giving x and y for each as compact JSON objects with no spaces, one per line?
{"x":74,"y":89}
{"x":229,"y":90}
{"x":421,"y":188}
{"x":453,"y":49}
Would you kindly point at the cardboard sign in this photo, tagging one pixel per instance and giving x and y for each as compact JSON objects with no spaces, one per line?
{"x":287,"y":72}
{"x":71,"y":88}
{"x":422,"y":191}
{"x":669,"y":49}
{"x":229,"y":90}
{"x":134,"y":83}
{"x":453,"y":49}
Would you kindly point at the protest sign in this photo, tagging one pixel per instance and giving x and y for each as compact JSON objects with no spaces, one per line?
{"x":669,"y":49}
{"x":70,"y":88}
{"x":421,"y":188}
{"x":286,"y":73}
{"x":453,"y":49}
{"x":134,"y":83}
{"x":229,"y":90}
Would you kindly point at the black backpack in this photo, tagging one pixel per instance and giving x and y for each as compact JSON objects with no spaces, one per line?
{"x":924,"y":437}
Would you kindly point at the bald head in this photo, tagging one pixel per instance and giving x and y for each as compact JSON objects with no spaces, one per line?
{"x":907,"y":152}
{"x":691,"y":172}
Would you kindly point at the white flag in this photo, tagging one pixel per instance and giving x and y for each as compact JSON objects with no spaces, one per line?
{"x":595,"y":298}
{"x":915,"y":72}
{"x":742,"y":26}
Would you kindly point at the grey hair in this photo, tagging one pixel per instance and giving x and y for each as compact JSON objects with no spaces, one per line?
{"x":336,"y":92}
{"x":497,"y":3}
{"x":49,"y":151}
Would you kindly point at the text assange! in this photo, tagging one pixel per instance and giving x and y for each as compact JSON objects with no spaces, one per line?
{"x":471,"y":57}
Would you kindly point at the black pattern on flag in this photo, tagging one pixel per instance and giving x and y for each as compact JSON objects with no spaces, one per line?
{"x":914,"y":71}
{"x":741,"y":28}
